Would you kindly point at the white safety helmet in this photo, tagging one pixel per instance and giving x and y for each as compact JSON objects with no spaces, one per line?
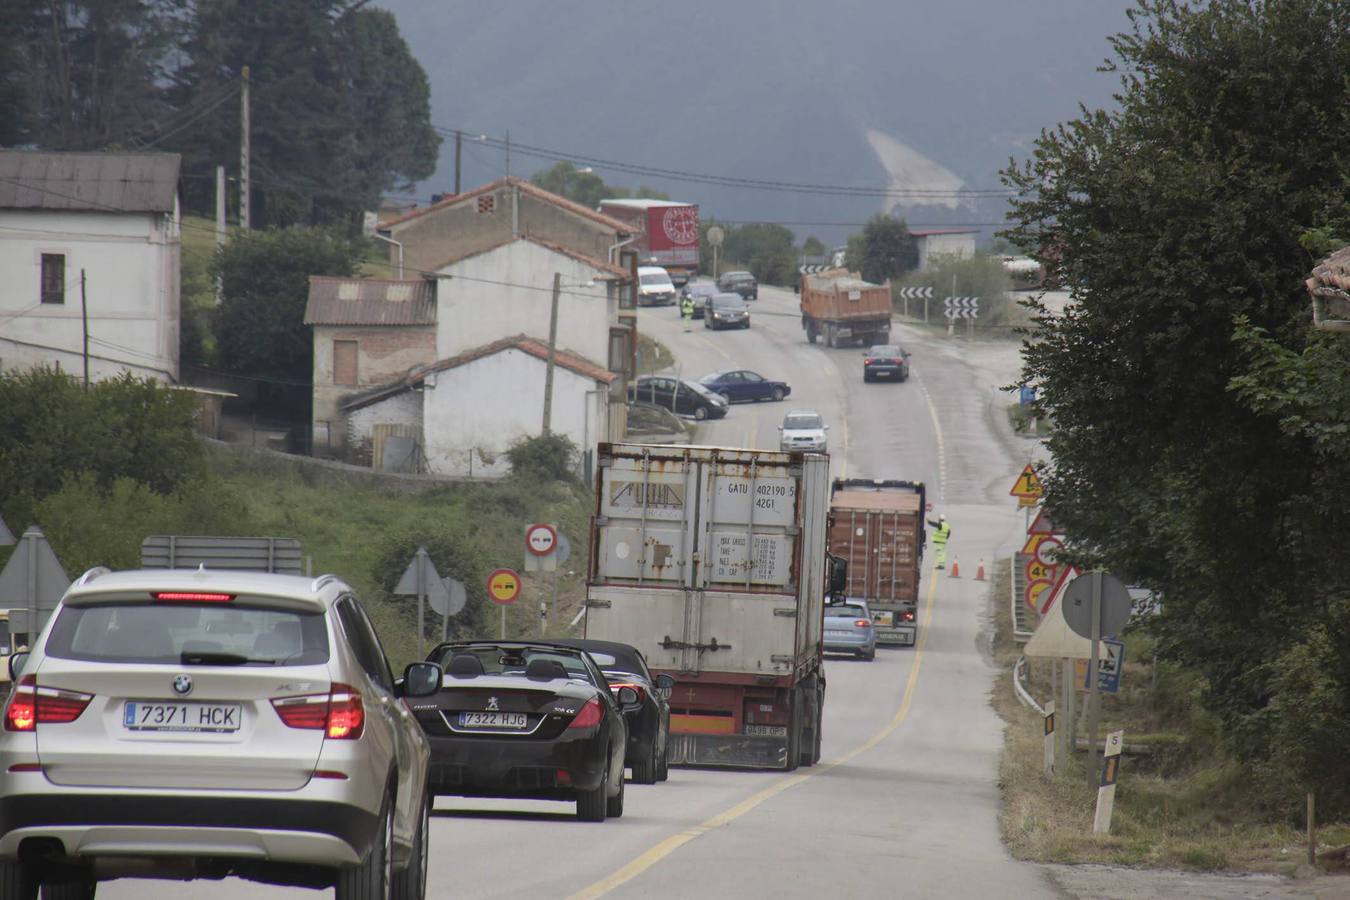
{"x":942,"y":518}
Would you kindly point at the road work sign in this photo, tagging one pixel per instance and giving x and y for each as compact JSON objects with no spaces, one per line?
{"x":1027,"y":488}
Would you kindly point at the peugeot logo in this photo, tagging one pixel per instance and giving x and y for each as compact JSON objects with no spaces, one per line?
{"x":182,"y":684}
{"x":492,"y":703}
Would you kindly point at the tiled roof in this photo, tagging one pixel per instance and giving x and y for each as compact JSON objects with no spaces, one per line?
{"x":525,"y":187}
{"x":109,"y":182}
{"x":600,"y":265}
{"x":1331,"y":277}
{"x":533,"y":346}
{"x":370,"y":301}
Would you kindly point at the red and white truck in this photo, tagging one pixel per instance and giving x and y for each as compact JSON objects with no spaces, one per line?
{"x":667,"y":234}
{"x":712,"y":562}
{"x":877,"y":527}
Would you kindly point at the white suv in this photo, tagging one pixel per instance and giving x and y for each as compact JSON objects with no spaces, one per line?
{"x":181,"y":724}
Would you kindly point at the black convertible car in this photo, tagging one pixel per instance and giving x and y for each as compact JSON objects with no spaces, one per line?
{"x":649,"y":723}
{"x":524,"y":719}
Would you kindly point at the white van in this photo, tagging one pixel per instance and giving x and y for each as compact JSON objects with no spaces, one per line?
{"x":655,"y":287}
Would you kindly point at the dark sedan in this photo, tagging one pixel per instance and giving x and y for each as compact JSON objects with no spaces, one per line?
{"x":743,"y":386}
{"x":684,"y":398}
{"x":742,"y":283}
{"x":649,"y":724}
{"x":725,"y":311}
{"x":887,"y":361}
{"x":526,"y":719}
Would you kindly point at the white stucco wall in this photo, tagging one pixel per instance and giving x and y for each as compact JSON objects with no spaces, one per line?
{"x":131,"y":265}
{"x":931,"y":245}
{"x":476,"y":411}
{"x":509,"y":291}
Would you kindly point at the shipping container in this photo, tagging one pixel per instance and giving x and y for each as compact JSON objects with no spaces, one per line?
{"x":877,"y":527}
{"x":712,"y":562}
{"x":667,"y":233}
{"x":840,"y":307}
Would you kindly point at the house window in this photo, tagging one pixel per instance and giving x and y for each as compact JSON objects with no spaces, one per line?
{"x":487,"y":203}
{"x":53,"y":278}
{"x":344,"y":362}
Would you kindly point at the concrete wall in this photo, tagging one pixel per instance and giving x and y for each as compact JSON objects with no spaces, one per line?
{"x":460,"y":229}
{"x":931,"y":245}
{"x":131,"y":265}
{"x":476,"y":411}
{"x":509,"y":291}
{"x":383,"y":354}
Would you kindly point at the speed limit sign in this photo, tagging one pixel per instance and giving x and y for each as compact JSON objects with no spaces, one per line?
{"x":541,"y":540}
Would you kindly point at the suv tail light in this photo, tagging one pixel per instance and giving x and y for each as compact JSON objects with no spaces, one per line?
{"x":339,"y":713}
{"x":589,"y":717}
{"x":31,"y":705}
{"x":862,"y":623}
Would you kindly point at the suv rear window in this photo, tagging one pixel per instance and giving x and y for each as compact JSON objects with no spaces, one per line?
{"x":844,"y":610}
{"x":167,"y":633}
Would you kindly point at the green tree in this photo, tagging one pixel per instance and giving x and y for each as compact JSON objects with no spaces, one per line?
{"x":260,"y":325}
{"x":1176,"y":220}
{"x":82,"y":75}
{"x":340,"y":109}
{"x":885,"y":249}
{"x":767,"y":250}
{"x":812,"y":246}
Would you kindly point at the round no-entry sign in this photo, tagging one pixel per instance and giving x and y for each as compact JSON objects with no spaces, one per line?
{"x":503,"y":587}
{"x":541,"y":540}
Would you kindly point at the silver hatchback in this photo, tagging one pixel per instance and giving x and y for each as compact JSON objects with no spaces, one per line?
{"x":181,"y":724}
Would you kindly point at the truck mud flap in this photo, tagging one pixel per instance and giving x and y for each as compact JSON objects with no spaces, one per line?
{"x":744,"y":751}
{"x":898,"y":637}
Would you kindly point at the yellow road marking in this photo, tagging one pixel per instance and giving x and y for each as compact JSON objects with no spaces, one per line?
{"x":665,"y":848}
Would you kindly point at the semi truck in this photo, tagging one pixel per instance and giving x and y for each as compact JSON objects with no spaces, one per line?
{"x":712,"y":562}
{"x":877,"y":527}
{"x":839,"y":306}
{"x":666,"y":234}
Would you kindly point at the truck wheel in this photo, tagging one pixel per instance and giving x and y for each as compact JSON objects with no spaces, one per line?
{"x":829,"y":335}
{"x":810,"y":721}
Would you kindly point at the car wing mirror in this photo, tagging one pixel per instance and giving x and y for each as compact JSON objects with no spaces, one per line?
{"x":628,"y":698}
{"x":16,"y":662}
{"x":838,"y":576}
{"x":422,"y":679}
{"x":665,"y":682}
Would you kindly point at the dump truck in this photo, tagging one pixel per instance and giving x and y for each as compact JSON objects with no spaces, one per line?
{"x":666,"y":233}
{"x":712,"y":562}
{"x":840,"y":307}
{"x":878,"y":528}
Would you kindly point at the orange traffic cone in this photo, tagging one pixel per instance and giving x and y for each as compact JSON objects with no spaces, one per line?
{"x":979,"y":570}
{"x":956,"y":568}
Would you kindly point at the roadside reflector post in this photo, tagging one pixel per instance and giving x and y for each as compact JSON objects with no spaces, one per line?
{"x":1106,"y":785}
{"x":1312,"y":829}
{"x":1050,"y":737}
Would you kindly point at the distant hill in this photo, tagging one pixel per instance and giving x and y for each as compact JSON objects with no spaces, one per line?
{"x":831,"y":94}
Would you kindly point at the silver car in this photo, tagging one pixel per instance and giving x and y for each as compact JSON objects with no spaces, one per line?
{"x":181,"y":724}
{"x":803,"y":429}
{"x":849,"y":629}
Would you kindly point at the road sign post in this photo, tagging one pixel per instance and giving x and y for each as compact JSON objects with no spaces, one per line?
{"x":503,"y":587}
{"x":1106,"y":784}
{"x":1095,"y":605}
{"x":422,"y":579}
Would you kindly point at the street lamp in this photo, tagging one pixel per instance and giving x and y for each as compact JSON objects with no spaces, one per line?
{"x":553,"y":344}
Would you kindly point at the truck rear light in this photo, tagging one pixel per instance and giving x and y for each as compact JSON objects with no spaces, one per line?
{"x":589,"y":716}
{"x":190,"y":597}
{"x":907,"y":615}
{"x":31,"y":705}
{"x":340,"y":714}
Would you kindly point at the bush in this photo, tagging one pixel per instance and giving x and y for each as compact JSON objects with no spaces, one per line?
{"x":546,"y":457}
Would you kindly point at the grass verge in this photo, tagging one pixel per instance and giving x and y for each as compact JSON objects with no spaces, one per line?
{"x":1180,"y":801}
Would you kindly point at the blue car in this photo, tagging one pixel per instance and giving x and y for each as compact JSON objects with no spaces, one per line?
{"x":848,"y":629}
{"x":744,"y":386}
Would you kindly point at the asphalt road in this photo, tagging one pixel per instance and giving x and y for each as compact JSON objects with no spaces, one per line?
{"x":905,"y":800}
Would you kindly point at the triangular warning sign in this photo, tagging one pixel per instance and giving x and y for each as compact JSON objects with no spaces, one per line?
{"x":1042,"y":525}
{"x":1028,"y":485}
{"x":48,"y":579}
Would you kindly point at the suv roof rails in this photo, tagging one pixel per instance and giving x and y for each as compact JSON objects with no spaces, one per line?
{"x":91,"y":574}
{"x":322,"y":581}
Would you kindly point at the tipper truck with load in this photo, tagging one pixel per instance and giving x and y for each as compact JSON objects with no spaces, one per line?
{"x":712,"y":562}
{"x":877,"y":527}
{"x":839,"y":306}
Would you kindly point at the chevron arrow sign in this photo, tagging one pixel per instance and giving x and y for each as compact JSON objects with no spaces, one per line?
{"x":916,"y":293}
{"x":962,"y":307}
{"x":812,"y":268}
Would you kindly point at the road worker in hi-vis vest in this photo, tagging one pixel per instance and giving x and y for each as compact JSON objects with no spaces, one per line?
{"x":941,"y":535}
{"x":687,"y":311}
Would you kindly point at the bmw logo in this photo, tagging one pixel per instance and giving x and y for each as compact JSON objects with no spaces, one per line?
{"x":182,"y":684}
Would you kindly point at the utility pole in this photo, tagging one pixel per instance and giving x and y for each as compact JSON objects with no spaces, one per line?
{"x":84,"y":317}
{"x":245,"y":219}
{"x":552,"y":350}
{"x":459,"y":149}
{"x":220,"y":222}
{"x":508,"y":153}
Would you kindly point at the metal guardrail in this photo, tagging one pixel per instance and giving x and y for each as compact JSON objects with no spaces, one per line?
{"x":1019,"y":671}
